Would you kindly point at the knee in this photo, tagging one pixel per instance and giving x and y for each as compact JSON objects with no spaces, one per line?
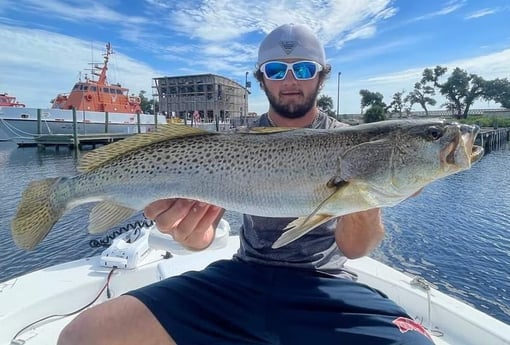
{"x":68,"y":335}
{"x":78,"y":331}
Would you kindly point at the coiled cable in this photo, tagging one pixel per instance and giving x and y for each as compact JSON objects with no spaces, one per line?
{"x":107,"y":240}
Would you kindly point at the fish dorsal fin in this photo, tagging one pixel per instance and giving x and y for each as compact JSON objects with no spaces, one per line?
{"x":269,"y":130}
{"x":108,"y":152}
{"x":106,"y":215}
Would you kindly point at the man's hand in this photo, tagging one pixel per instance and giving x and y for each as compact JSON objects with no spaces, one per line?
{"x":190,"y":222}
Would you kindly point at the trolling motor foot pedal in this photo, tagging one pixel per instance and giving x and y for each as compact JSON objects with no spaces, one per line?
{"x":128,"y":249}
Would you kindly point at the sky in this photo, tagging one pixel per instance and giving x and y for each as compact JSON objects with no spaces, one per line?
{"x":379,"y":45}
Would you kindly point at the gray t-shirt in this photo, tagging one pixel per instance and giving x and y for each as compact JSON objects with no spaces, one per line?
{"x":316,"y":250}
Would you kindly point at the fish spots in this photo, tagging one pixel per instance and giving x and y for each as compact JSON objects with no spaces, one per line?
{"x":219,"y":157}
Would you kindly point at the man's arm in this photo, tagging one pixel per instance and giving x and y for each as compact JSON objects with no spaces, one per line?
{"x":357,"y":234}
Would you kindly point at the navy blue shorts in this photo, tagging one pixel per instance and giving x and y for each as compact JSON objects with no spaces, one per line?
{"x":234,"y":302}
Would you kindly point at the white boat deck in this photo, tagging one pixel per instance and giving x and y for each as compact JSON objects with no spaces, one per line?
{"x":68,"y":287}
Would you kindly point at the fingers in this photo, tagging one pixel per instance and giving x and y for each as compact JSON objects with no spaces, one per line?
{"x":191,"y":223}
{"x":169,"y":214}
{"x":202,"y":226}
{"x":200,"y":217}
{"x":153,"y":210}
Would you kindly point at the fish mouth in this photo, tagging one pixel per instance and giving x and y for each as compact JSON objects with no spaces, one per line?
{"x":469,"y":134}
{"x":461,"y":152}
{"x":476,"y":153}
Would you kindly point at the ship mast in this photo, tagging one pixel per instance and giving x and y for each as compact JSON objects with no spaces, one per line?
{"x":102,"y":74}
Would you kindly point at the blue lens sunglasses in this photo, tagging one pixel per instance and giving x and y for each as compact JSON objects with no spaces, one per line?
{"x":303,"y":70}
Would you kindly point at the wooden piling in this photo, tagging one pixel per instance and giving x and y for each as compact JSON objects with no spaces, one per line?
{"x":39,"y":119}
{"x":76,"y":143}
{"x":492,"y":138}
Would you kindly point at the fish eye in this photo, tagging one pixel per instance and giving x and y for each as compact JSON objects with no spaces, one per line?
{"x":434,"y":132}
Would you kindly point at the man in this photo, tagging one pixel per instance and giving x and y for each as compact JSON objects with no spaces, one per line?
{"x":296,"y":294}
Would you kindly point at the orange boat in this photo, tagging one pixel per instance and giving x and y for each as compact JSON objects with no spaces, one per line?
{"x":9,"y":101}
{"x":98,"y":95}
{"x":100,"y":107}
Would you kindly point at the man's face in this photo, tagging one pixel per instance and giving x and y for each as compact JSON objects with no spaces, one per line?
{"x":289,"y":97}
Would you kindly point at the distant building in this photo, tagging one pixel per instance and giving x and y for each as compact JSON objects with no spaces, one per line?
{"x":202,"y":97}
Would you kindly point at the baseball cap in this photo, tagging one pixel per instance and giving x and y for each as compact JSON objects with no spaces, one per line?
{"x":291,"y":41}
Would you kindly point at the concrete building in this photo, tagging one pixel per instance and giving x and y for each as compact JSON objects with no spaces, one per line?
{"x":204,"y":97}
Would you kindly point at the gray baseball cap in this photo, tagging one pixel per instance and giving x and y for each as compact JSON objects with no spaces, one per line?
{"x":291,"y":41}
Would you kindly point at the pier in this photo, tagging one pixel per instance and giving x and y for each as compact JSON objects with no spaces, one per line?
{"x":492,"y":138}
{"x":77,"y":142}
{"x":489,"y":138}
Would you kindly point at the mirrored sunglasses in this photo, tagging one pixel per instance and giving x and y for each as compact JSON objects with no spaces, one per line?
{"x":303,"y":70}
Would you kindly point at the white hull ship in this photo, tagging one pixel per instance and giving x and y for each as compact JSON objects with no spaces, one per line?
{"x":22,"y":126}
{"x":100,"y":107}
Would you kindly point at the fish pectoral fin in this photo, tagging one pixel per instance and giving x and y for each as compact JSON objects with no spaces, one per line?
{"x":300,"y":227}
{"x":106,"y":215}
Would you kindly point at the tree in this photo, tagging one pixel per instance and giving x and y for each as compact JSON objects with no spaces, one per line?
{"x":498,"y":90}
{"x":148,"y":106}
{"x":421,"y":95}
{"x":325,"y":103}
{"x":369,"y":98}
{"x":460,"y":89}
{"x":433,"y":76}
{"x":397,"y":104}
{"x":374,"y":113}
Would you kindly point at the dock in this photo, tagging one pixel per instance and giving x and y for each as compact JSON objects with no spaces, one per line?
{"x":76,"y":141}
{"x":79,"y":142}
{"x":492,"y":138}
{"x":489,"y":138}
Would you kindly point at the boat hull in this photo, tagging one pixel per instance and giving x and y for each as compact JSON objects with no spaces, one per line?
{"x":22,"y":125}
{"x":70,"y":286}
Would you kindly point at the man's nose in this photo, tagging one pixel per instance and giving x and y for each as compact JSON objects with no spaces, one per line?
{"x":290,"y":77}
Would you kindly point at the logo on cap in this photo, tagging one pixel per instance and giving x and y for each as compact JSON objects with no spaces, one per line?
{"x":288,"y":46}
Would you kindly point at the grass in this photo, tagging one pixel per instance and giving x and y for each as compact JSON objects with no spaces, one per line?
{"x":483,"y":121}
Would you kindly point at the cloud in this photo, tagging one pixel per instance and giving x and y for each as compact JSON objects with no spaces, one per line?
{"x":371,"y":51}
{"x":50,"y":63}
{"x":223,"y":20}
{"x":481,"y":13}
{"x":165,"y":37}
{"x":489,"y":66}
{"x":225,"y":33}
{"x":449,"y":7}
{"x":77,"y":11}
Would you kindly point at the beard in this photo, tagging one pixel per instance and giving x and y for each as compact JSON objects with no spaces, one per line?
{"x":292,"y":110}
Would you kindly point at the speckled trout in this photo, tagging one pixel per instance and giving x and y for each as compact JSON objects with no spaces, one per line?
{"x":311,"y":174}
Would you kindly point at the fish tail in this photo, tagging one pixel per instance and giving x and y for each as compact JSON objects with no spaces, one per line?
{"x":36,"y":214}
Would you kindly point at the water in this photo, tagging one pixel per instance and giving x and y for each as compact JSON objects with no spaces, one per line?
{"x":454,"y":234}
